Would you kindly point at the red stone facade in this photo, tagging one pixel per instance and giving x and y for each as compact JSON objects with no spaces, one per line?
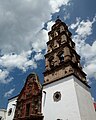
{"x":30,"y":99}
{"x":95,"y":106}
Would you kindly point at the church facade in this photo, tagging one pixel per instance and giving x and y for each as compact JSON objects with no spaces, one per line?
{"x":65,"y":93}
{"x":29,"y":100}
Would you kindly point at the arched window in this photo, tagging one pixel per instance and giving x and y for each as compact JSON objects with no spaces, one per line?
{"x":63,"y":39}
{"x":58,"y":30}
{"x":51,"y":61}
{"x":61,"y":56}
{"x":61,"y":28}
{"x":59,"y":41}
{"x":50,"y":37}
{"x":55,"y":33}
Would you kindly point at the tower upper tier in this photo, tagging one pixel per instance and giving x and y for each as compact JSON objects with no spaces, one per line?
{"x":61,"y":59}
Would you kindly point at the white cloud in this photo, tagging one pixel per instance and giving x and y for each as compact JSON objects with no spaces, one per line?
{"x":90,"y":69}
{"x":21,"y":61}
{"x":40,"y":40}
{"x":49,"y":25}
{"x":21,"y":24}
{"x":82,"y":32}
{"x":39,"y":56}
{"x":86,"y":51}
{"x":55,"y":4}
{"x":74,"y":25}
{"x":84,"y":28}
{"x":4,"y":77}
{"x":66,"y":16}
{"x":9,"y":93}
{"x":21,"y":20}
{"x":89,"y":53}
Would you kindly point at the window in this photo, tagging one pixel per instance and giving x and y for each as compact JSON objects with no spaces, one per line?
{"x":63,"y":39}
{"x":51,"y":46}
{"x":10,"y":111}
{"x":50,"y":37}
{"x":27,"y":109}
{"x":61,"y":57}
{"x":51,"y":61}
{"x":59,"y":41}
{"x":61,"y":28}
{"x":55,"y":33}
{"x":58,"y":30}
{"x":57,"y":96}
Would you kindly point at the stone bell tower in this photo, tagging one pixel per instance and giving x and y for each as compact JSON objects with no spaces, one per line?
{"x":66,"y":94}
{"x":61,"y":59}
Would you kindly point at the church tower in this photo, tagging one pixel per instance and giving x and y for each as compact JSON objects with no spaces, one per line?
{"x":66,"y":94}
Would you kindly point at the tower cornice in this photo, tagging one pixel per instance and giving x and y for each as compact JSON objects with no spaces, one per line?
{"x":60,"y":49}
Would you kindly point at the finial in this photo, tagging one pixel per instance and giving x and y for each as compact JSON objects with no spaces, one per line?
{"x":58,"y":17}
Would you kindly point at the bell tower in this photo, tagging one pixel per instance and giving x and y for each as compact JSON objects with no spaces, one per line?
{"x":66,"y":93}
{"x":61,"y":59}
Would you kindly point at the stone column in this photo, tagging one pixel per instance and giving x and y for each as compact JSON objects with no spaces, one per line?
{"x":47,"y":66}
{"x":56,"y":59}
{"x":67,"y":54}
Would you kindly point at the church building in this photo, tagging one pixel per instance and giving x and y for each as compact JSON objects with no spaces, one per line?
{"x":29,"y":100}
{"x":65,"y":93}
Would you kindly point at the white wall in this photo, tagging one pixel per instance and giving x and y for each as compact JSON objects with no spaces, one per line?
{"x":67,"y":107}
{"x":11,"y":104}
{"x":75,"y":104}
{"x":3,"y":114}
{"x":85,"y":101}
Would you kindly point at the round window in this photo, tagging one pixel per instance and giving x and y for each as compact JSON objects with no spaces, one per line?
{"x":57,"y":96}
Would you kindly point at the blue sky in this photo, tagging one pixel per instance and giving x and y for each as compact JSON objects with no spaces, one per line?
{"x":24,"y":25}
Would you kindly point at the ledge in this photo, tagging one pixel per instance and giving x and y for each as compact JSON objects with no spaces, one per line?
{"x":65,"y":77}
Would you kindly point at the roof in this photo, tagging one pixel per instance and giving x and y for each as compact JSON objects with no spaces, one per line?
{"x":3,"y":110}
{"x":14,"y":97}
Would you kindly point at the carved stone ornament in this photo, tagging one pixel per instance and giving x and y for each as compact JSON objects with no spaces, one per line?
{"x":29,"y":100}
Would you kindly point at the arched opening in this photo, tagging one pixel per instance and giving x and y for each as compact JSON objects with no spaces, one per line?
{"x":61,"y":56}
{"x":55,"y":33}
{"x":51,"y":61}
{"x":59,"y":42}
{"x":50,"y":37}
{"x":61,"y":28}
{"x":63,"y":39}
